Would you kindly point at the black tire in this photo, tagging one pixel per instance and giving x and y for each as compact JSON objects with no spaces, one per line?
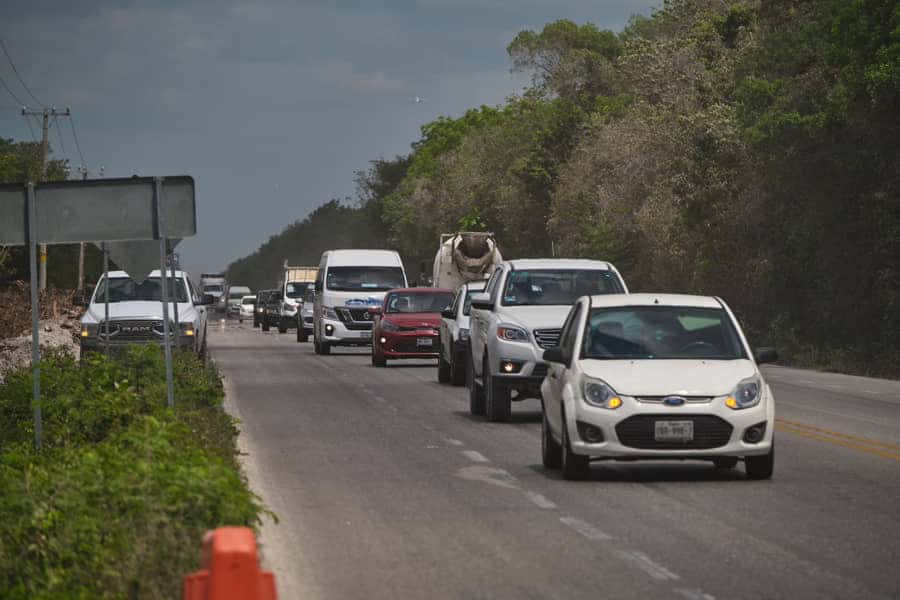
{"x":497,"y":401}
{"x":282,"y":328}
{"x":443,"y":369}
{"x":760,"y":467}
{"x":476,"y":393}
{"x":255,"y":323}
{"x":265,"y":325}
{"x":241,"y":320}
{"x":378,"y":361}
{"x":457,"y":371}
{"x":551,"y":451}
{"x":725,"y":462}
{"x":575,"y":467}
{"x":324,"y":348}
{"x":302,"y":336}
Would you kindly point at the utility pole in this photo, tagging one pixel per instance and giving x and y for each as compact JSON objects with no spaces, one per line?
{"x":45,"y":114}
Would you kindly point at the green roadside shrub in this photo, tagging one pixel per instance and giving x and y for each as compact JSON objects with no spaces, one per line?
{"x":116,"y":503}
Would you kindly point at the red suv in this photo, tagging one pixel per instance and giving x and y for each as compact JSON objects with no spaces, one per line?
{"x":408,"y":323}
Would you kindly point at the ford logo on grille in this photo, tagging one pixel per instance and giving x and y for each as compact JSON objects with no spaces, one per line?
{"x":673,"y":400}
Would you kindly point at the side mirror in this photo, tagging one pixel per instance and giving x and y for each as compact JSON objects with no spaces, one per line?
{"x":482,"y":301}
{"x":557,"y":354}
{"x":766,"y":355}
{"x":448,"y":313}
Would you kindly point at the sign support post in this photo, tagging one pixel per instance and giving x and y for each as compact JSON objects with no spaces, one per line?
{"x":35,"y":318}
{"x":163,"y":249}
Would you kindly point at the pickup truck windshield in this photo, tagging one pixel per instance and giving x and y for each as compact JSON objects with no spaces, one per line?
{"x":418,"y":302}
{"x":661,"y":332}
{"x":212,"y":288}
{"x":295,"y":289}
{"x":557,"y":287}
{"x":365,"y":279}
{"x":124,"y":289}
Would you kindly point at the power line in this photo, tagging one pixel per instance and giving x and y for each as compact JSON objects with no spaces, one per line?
{"x":75,"y":137}
{"x":19,"y":77}
{"x":59,"y":136}
{"x":10,"y":92}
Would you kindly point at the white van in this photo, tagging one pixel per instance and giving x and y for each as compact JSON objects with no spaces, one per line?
{"x":347,"y":284}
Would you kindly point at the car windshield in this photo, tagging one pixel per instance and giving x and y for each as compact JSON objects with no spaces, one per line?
{"x":237,"y":293}
{"x":418,"y":302}
{"x":352,"y":279}
{"x":295,"y":289}
{"x":558,"y":286}
{"x":125,"y":289}
{"x":248,"y":301}
{"x":211,"y":288}
{"x":661,"y":332}
{"x":467,"y":303}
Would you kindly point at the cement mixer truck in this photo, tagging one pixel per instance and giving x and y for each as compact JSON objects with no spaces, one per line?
{"x":463,"y":257}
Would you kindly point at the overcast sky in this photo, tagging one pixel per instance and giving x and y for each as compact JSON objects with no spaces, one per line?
{"x":270,"y":106}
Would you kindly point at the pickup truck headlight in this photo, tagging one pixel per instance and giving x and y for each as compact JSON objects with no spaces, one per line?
{"x":511,"y":334}
{"x":88,"y":330}
{"x":389,"y":325}
{"x":746,"y":394}
{"x":187,"y":329}
{"x":329,"y":313}
{"x":599,"y":393}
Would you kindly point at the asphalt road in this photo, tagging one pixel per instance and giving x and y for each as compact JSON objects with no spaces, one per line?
{"x":385,"y":487}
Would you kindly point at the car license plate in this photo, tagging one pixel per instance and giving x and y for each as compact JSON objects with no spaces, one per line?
{"x":425,"y":342}
{"x":674,"y":431}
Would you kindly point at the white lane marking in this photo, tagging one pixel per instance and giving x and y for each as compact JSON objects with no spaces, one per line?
{"x":647,"y":565}
{"x":694,"y":594}
{"x":475,"y":456}
{"x":454,"y":442}
{"x":585,"y":529}
{"x":540,"y":501}
{"x":491,"y":475}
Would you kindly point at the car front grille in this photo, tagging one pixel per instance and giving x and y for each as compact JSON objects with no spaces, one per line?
{"x":547,"y":338}
{"x":409,"y":346}
{"x":134,"y":330}
{"x":638,"y":431}
{"x":355,"y":319}
{"x":687,"y":399}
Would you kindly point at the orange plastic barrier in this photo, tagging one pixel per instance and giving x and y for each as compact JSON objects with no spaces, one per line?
{"x":230,"y":569}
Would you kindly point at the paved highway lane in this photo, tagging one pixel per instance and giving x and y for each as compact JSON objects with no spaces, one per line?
{"x":386,"y":488}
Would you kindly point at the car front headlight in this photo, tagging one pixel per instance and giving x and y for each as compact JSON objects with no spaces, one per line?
{"x":187,"y":329}
{"x":508,"y":333}
{"x":746,"y":394}
{"x":600,"y":394}
{"x":330,"y":313}
{"x":389,"y":325}
{"x":89,"y":330}
{"x":463,"y":334}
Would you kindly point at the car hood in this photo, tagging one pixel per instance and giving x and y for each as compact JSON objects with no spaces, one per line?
{"x":664,"y":377}
{"x":415,"y":319}
{"x":137,"y":310}
{"x":535,"y":317}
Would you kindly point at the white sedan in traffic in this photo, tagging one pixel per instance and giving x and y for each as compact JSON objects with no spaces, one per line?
{"x":656,"y":377}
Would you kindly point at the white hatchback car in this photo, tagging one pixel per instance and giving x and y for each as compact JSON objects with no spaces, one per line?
{"x":656,"y":377}
{"x":247,"y":308}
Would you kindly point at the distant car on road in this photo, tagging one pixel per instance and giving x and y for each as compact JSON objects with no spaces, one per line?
{"x":647,"y":376}
{"x":233,"y":299}
{"x":516,"y":318}
{"x":135,"y":313}
{"x":262,"y":296}
{"x":454,"y":348}
{"x":407,"y":325}
{"x":247,"y":309}
{"x":271,"y":310}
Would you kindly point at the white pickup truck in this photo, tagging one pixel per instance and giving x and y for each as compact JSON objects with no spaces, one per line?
{"x":135,"y":313}
{"x":517,"y":317}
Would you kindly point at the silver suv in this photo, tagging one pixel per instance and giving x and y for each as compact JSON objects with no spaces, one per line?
{"x":517,"y":317}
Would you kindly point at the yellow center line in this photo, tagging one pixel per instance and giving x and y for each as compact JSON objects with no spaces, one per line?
{"x":839,"y":442}
{"x":854,"y":438}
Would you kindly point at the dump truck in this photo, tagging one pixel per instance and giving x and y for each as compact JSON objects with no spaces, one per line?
{"x":463,"y":257}
{"x":294,"y":286}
